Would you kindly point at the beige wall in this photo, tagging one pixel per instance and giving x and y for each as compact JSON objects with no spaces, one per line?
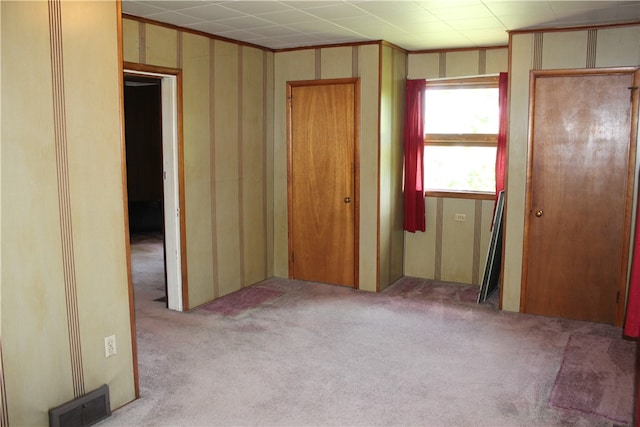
{"x":452,"y":250}
{"x":613,"y":47}
{"x":64,"y":276}
{"x":343,"y":62}
{"x":227,"y":91}
{"x":394,"y":71}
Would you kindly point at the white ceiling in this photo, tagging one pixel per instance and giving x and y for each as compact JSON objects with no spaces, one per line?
{"x":412,"y":25}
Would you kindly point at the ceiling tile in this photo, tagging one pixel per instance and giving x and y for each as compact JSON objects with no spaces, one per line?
{"x":212,"y":12}
{"x":175,"y":18}
{"x":139,"y":8}
{"x":174,"y":4}
{"x":252,"y":7}
{"x":245,"y":22}
{"x":343,"y":10}
{"x":411,"y":24}
{"x":210,"y":27}
{"x":292,"y":16}
{"x":475,"y":23}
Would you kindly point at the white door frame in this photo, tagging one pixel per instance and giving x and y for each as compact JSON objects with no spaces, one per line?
{"x":170,"y":157}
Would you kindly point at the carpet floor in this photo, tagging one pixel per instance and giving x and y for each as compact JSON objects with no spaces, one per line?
{"x":291,"y":353}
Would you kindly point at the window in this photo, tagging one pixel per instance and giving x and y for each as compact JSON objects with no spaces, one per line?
{"x":461,"y":118}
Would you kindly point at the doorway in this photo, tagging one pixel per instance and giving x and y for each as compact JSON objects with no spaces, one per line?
{"x":322,"y":181}
{"x":170,"y":207}
{"x":143,"y":136}
{"x":580,"y":192}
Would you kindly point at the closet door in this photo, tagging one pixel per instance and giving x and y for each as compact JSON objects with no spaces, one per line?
{"x":322,"y":182}
{"x":580,"y":183}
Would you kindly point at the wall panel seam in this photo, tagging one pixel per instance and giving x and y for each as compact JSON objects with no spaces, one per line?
{"x":64,"y":196}
{"x":180,"y":47}
{"x":354,"y":61}
{"x":4,"y":406}
{"x":592,"y":43}
{"x":482,"y":61}
{"x":265,"y":219}
{"x":241,"y":218}
{"x":142,"y":44}
{"x":477,"y":235}
{"x":437,"y":272}
{"x":538,"y":39}
{"x":212,"y":168}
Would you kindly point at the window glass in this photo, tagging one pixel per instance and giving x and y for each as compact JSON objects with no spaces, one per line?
{"x":461,"y":111}
{"x":460,"y":168}
{"x":461,"y":126}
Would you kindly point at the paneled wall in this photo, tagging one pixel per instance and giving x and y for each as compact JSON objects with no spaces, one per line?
{"x":585,"y":48}
{"x":452,"y":250}
{"x":64,"y":268}
{"x":227,"y":91}
{"x":392,"y":87}
{"x":363,"y":61}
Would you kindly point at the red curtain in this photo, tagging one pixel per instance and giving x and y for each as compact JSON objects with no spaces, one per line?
{"x":414,"y":216}
{"x":632,"y":320}
{"x":501,"y":152}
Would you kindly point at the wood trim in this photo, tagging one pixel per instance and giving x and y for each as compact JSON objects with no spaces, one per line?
{"x":577,"y":28}
{"x":378,"y":149}
{"x":628,"y":214}
{"x":181,"y":195}
{"x":325,"y":46}
{"x":144,"y":68}
{"x":457,"y":49}
{"x":125,"y":207}
{"x":191,"y":31}
{"x":289,"y":141}
{"x":347,"y":80}
{"x":528,"y":196}
{"x":472,"y":195}
{"x":462,"y":139}
{"x":478,"y":82}
{"x":356,"y":184}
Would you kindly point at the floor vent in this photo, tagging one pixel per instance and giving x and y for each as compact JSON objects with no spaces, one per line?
{"x":83,"y":411}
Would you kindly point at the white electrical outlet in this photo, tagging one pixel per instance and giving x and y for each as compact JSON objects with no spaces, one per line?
{"x":460,"y":217}
{"x":110,"y":346}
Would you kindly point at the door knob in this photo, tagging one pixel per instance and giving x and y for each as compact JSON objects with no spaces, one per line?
{"x":539,"y":213}
{"x":347,"y":199}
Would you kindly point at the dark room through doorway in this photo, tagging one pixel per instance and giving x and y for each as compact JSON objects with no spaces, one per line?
{"x":144,"y":160}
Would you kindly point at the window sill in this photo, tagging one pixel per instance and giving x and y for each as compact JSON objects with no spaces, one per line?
{"x":460,"y":194}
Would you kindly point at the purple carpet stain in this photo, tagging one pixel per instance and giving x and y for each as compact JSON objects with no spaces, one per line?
{"x":244,"y":299}
{"x":595,"y":377}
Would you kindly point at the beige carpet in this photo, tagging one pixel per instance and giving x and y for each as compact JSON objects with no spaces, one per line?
{"x":421,"y":353}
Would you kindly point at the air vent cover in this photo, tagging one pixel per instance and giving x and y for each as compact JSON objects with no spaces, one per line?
{"x":83,"y":411}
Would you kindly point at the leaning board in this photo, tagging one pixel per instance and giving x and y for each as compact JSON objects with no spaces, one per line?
{"x":492,"y":268}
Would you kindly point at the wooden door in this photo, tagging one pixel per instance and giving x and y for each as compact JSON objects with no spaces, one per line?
{"x":579,"y":196}
{"x":322,"y":181}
